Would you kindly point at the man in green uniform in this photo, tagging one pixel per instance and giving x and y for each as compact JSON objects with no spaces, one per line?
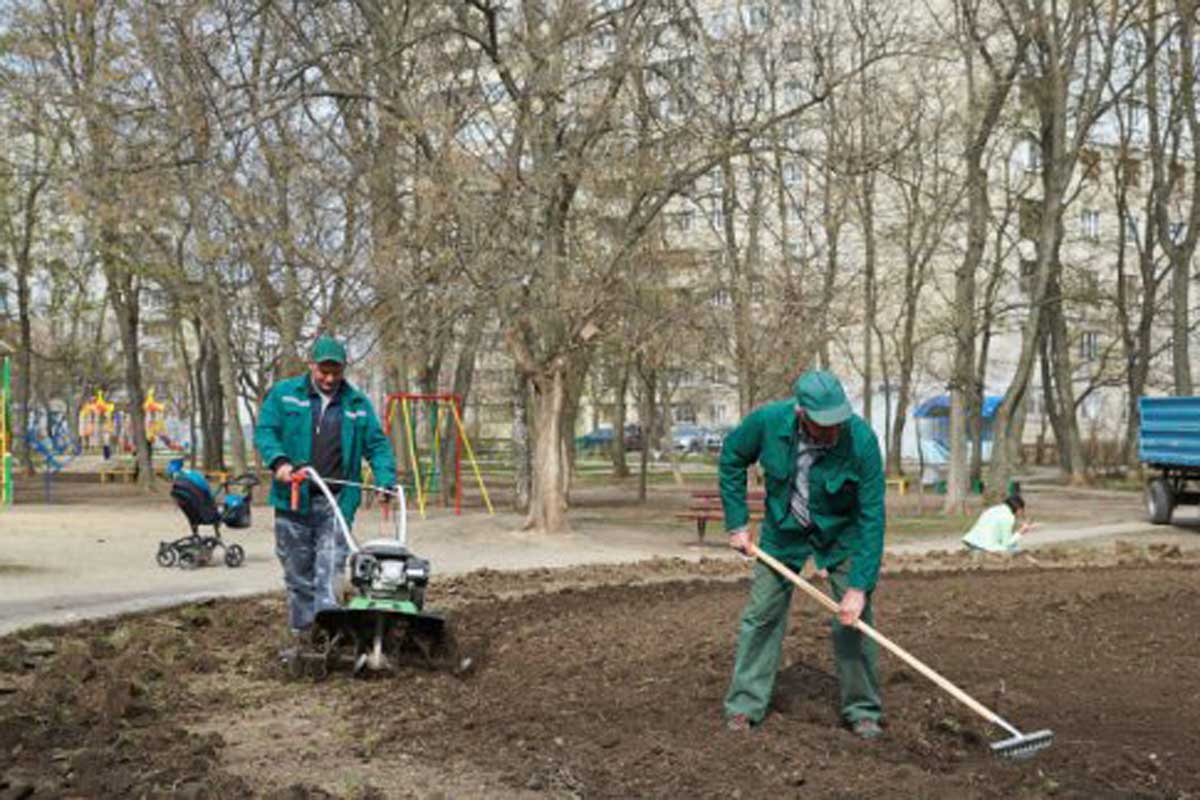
{"x":824,"y":499}
{"x":318,"y":419}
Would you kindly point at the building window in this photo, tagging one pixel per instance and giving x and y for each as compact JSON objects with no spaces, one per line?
{"x":1131,"y":171}
{"x":683,"y":220}
{"x":1089,"y":223}
{"x":758,"y":18}
{"x":716,"y":216}
{"x":1028,"y":276}
{"x":1176,"y":231}
{"x":1089,"y":346}
{"x":1031,"y":155}
{"x":1130,"y":285}
{"x":1131,"y":226}
{"x":792,"y":173}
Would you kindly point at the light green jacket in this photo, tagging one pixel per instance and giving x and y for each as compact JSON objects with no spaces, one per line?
{"x":994,"y":530}
{"x":845,"y":499}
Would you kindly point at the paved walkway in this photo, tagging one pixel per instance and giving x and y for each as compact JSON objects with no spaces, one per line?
{"x":61,"y":567}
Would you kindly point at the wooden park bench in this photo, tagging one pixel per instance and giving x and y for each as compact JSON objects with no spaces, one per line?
{"x":706,"y":507}
{"x":111,"y":472}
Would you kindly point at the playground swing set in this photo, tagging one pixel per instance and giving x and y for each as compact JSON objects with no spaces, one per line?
{"x":437,"y":408}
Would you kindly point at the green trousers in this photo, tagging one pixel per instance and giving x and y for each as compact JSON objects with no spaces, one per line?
{"x":760,"y":647}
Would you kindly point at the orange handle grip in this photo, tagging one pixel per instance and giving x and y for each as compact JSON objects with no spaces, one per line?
{"x":298,"y":478}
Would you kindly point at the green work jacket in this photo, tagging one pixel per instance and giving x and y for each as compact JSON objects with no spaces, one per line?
{"x":285,"y":430}
{"x":845,"y":498}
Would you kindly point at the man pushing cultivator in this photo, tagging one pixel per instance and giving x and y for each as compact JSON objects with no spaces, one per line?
{"x":318,"y":419}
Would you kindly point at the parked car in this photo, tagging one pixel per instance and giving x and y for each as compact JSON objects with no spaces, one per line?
{"x":687,"y":437}
{"x":602,"y":438}
{"x":633,"y":436}
{"x":595,"y":439}
{"x":715,"y":437}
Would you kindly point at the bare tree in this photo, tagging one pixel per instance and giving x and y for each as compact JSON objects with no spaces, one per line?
{"x":993,"y":55}
{"x":1069,"y":67}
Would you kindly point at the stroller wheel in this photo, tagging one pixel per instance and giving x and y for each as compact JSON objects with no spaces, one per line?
{"x":166,"y":555}
{"x":188,"y":560}
{"x":234,"y":555}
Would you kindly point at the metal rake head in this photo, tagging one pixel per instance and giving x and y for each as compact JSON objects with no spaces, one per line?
{"x":1023,"y":745}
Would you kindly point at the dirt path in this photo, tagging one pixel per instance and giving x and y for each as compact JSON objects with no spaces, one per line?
{"x":91,"y":554}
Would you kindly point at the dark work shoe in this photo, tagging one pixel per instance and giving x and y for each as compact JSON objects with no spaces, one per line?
{"x":738,"y":723}
{"x":866,"y":728}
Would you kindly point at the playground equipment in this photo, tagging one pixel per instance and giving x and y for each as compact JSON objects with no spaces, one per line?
{"x":437,"y":407}
{"x":56,"y":447}
{"x":155,"y":424}
{"x":96,"y":421}
{"x":6,"y":490}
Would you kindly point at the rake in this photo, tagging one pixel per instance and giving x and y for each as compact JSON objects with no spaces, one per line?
{"x":1018,"y":745}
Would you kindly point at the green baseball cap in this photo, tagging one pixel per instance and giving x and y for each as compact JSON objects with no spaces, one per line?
{"x":327,"y":348}
{"x":822,"y":397}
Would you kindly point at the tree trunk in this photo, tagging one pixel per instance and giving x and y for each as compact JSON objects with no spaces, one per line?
{"x":125,"y":298}
{"x":212,"y":420}
{"x":649,"y":415}
{"x":548,"y":496}
{"x":741,"y":288}
{"x":869,"y":257}
{"x":193,"y":388}
{"x":222,"y":339}
{"x":1070,"y":443}
{"x":619,"y":460}
{"x":24,"y":366}
{"x":1181,"y":366}
{"x":521,"y":449}
{"x":1050,"y":402}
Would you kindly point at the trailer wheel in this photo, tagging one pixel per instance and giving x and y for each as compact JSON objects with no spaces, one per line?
{"x":1159,"y":501}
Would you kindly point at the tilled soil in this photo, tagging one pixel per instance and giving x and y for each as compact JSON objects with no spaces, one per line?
{"x":607,"y":682}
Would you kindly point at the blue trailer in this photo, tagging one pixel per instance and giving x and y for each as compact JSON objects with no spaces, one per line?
{"x":1169,"y":441}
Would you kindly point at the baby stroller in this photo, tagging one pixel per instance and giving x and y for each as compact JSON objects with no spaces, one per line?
{"x":196,"y":501}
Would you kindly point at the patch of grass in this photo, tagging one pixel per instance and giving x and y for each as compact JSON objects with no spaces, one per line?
{"x":15,"y":569}
{"x":929,"y":524}
{"x":1116,"y":484}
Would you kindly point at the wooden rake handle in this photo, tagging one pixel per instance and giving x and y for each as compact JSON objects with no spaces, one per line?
{"x":897,"y":650}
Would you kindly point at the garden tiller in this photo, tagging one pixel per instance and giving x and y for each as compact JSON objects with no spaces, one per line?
{"x":1017,"y":745}
{"x":385,"y":624}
